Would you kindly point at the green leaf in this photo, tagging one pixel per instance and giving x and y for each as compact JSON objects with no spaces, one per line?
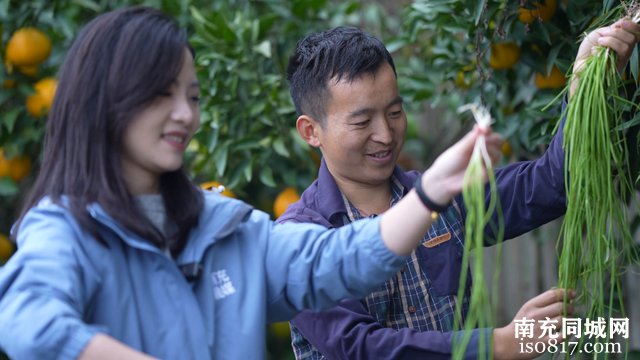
{"x":478,"y":10}
{"x":91,"y":5}
{"x":221,"y":156}
{"x":237,"y":172}
{"x":212,"y":138}
{"x":266,"y":177}
{"x":25,"y":90}
{"x":8,"y":187}
{"x":245,"y":144}
{"x":395,"y":45}
{"x":263,"y":48}
{"x":551,"y":58}
{"x":633,"y":122}
{"x":248,"y":171}
{"x":279,"y":147}
{"x":9,"y":118}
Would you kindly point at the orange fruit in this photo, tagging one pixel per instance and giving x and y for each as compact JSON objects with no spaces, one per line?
{"x":555,"y":80}
{"x":9,"y":83}
{"x":506,"y":149}
{"x":545,"y":12}
{"x":287,"y":197}
{"x":4,"y":165}
{"x":6,"y":248}
{"x":460,"y":81}
{"x":281,"y":330}
{"x":27,"y":47}
{"x":504,"y":55}
{"x":43,"y":98}
{"x":29,"y":70}
{"x":16,"y":168}
{"x":214,"y":184}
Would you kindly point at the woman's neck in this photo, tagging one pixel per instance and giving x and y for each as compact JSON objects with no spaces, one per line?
{"x":139,"y":181}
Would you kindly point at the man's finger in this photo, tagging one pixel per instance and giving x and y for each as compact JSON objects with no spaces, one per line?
{"x":620,"y":34}
{"x":630,"y":26}
{"x":551,"y":296}
{"x":620,"y":47}
{"x":553,"y":310}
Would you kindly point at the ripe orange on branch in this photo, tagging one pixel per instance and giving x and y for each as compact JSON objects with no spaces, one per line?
{"x":29,"y":70}
{"x":214,"y":184}
{"x":555,"y":80}
{"x":506,"y":149}
{"x":43,"y":98}
{"x":16,"y":168}
{"x":6,"y":248}
{"x":504,"y":55}
{"x":27,"y":47}
{"x":287,"y":197}
{"x":544,"y":12}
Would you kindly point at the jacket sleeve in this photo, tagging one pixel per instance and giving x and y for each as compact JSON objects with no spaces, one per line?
{"x":349,"y":332}
{"x":531,"y":193}
{"x":311,"y":267}
{"x":43,"y":291}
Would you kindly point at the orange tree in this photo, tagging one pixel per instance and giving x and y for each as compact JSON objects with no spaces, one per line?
{"x":509,"y":55}
{"x":247,"y":139}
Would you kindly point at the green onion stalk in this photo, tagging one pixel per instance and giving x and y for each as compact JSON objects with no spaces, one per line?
{"x":597,"y":240}
{"x":482,"y":310}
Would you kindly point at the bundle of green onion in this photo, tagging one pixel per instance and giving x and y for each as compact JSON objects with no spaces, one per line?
{"x":597,"y":240}
{"x":482,"y":312}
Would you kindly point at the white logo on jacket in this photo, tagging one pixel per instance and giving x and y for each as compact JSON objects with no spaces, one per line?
{"x":222,"y":286}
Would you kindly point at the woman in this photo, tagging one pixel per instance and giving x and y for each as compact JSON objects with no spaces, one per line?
{"x":121,"y":256}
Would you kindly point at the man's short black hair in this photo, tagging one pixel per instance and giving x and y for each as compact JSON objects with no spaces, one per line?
{"x":342,"y":52}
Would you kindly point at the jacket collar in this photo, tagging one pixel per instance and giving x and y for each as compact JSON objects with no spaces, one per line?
{"x":219,"y":218}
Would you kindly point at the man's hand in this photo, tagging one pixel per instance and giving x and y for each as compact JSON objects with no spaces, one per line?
{"x":506,"y":346}
{"x":620,"y":37}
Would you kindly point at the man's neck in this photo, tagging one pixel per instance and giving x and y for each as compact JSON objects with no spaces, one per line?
{"x":367,"y":198}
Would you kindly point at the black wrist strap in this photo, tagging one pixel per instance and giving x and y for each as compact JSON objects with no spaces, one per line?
{"x":426,"y":201}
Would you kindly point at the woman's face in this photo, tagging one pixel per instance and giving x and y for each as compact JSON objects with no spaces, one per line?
{"x":156,"y":138}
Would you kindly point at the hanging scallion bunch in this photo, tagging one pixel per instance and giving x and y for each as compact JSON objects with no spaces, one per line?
{"x":596,"y":238}
{"x":482,"y":312}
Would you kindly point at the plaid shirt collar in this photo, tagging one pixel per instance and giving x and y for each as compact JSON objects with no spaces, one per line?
{"x":352,"y":214}
{"x":332,"y":203}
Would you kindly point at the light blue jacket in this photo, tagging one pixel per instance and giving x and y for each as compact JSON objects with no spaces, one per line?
{"x":62,"y":286}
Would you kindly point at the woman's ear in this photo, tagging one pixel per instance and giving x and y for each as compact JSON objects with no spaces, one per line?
{"x":309,"y":130}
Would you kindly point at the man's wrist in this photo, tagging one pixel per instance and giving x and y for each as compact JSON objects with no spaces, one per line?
{"x":499,"y":343}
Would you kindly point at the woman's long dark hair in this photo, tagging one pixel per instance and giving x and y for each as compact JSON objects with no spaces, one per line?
{"x":118,"y":65}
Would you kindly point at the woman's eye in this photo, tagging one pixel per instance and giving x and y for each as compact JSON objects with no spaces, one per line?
{"x":195,"y":98}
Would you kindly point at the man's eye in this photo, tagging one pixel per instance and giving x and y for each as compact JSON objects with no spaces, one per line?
{"x":395,"y":113}
{"x":363,"y":123}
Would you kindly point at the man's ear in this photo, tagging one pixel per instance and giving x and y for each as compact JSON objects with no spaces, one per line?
{"x":308,"y":128}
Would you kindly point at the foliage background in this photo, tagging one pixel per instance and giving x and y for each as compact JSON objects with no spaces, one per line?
{"x":248,"y":140}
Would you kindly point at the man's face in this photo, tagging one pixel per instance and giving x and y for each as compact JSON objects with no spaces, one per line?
{"x":364,"y":129}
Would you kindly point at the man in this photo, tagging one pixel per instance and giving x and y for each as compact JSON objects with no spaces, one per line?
{"x":343,"y":84}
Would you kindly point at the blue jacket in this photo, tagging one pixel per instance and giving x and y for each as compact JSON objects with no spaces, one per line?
{"x":62,"y":286}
